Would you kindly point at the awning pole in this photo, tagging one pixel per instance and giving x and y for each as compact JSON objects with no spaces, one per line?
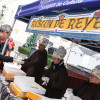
{"x":69,"y":53}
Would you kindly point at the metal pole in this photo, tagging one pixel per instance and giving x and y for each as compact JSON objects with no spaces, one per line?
{"x":69,"y":53}
{"x":4,"y":48}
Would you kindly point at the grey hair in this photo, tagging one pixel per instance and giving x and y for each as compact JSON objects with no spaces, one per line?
{"x":6,"y":28}
{"x":98,"y":68}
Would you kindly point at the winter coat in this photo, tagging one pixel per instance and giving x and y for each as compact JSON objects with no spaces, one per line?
{"x":5,"y":58}
{"x":34,"y":66}
{"x":1,"y":47}
{"x":88,"y":91}
{"x":58,"y":80}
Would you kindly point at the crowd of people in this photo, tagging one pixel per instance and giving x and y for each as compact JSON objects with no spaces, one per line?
{"x":55,"y":78}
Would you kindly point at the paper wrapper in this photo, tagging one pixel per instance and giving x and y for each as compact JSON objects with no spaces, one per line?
{"x":26,"y":83}
{"x":16,"y":90}
{"x":10,"y":72}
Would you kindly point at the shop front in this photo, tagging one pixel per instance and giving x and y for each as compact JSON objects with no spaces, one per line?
{"x":75,"y":20}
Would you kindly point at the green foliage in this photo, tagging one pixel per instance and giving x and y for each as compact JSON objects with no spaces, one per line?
{"x":49,"y":60}
{"x":24,"y":50}
{"x":49,"y":56}
{"x":31,"y":41}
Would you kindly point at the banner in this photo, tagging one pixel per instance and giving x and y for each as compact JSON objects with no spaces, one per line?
{"x":46,"y":4}
{"x":86,"y":26}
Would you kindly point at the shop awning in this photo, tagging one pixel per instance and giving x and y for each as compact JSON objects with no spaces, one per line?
{"x":54,"y":8}
{"x":41,"y":7}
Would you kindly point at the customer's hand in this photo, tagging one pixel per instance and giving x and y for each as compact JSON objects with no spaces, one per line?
{"x":15,"y":59}
{"x":19,"y":62}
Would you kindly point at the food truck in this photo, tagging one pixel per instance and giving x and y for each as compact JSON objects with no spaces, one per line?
{"x":74,"y":20}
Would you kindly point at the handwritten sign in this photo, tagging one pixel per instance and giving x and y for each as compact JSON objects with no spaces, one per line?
{"x":86,"y":25}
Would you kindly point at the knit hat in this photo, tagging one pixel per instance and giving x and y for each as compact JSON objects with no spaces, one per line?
{"x":96,"y":71}
{"x":60,"y":53}
{"x":44,"y":41}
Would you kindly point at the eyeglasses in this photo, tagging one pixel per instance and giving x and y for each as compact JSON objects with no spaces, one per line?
{"x":8,"y":33}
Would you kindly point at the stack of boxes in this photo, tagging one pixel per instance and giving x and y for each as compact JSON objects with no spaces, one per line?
{"x":10,"y":72}
{"x":16,"y":90}
{"x":23,"y":84}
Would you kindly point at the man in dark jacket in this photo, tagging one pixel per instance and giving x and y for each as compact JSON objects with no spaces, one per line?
{"x":90,"y":90}
{"x":34,"y":65}
{"x":55,"y":78}
{"x":5,"y":32}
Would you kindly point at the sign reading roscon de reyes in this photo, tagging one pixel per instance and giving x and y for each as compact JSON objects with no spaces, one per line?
{"x":62,"y":25}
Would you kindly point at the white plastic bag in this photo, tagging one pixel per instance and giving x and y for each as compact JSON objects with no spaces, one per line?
{"x":70,"y":96}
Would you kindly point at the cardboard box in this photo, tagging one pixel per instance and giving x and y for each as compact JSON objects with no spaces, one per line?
{"x":26,"y":83}
{"x":10,"y":72}
{"x":19,"y":80}
{"x":33,"y":96}
{"x":8,"y":76}
{"x":14,"y":65}
{"x":16,"y":90}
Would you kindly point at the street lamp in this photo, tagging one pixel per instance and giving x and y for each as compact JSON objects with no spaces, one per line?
{"x":2,"y":11}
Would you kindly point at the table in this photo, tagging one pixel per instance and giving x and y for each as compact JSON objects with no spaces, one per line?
{"x":5,"y":92}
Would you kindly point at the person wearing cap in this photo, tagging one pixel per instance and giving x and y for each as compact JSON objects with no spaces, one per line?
{"x":5,"y":32}
{"x":90,"y":90}
{"x":55,"y":78}
{"x":34,"y":65}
